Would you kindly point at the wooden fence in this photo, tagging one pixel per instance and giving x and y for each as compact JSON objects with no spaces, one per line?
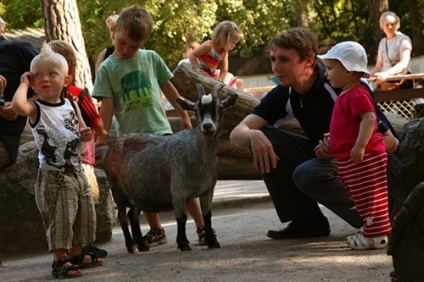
{"x":398,"y":101}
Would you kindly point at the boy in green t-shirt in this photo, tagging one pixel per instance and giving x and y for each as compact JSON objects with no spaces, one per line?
{"x":130,"y":83}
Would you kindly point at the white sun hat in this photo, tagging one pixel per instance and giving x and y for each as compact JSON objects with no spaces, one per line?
{"x":351,"y":54}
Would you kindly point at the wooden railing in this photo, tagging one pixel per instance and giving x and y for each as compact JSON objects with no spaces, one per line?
{"x":399,"y":101}
{"x":398,"y":94}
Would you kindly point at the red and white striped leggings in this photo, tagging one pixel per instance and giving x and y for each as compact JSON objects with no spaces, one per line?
{"x":367,"y":185}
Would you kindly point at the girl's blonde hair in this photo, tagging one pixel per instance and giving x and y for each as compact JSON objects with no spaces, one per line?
{"x":111,"y":20}
{"x":224,"y":31}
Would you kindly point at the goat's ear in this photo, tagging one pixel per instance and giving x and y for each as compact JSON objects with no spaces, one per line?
{"x":230,"y":101}
{"x":185,"y":104}
{"x":200,"y":90}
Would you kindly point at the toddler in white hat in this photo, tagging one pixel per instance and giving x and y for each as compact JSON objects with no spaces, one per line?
{"x":351,"y":55}
{"x":358,"y":148}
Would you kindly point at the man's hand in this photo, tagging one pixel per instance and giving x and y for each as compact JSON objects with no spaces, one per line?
{"x":322,"y":150}
{"x":264,"y":157}
{"x":7,"y":112}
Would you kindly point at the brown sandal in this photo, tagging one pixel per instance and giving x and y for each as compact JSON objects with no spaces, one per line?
{"x":60,"y":270}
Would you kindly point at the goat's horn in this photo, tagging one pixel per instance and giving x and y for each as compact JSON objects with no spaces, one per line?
{"x":216,"y":88}
{"x":200,"y":89}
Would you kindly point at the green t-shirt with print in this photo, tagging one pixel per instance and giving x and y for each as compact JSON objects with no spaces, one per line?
{"x":134,"y":85}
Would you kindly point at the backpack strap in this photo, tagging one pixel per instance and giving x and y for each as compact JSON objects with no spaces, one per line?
{"x":76,"y":93}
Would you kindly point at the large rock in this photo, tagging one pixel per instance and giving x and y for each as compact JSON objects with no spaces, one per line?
{"x":411,"y":154}
{"x":21,"y":227}
{"x":406,"y":245}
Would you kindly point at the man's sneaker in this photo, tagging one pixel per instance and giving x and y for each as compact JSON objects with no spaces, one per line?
{"x":155,"y":237}
{"x":307,"y":227}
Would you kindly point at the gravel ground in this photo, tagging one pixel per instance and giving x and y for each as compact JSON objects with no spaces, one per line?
{"x":246,"y":254}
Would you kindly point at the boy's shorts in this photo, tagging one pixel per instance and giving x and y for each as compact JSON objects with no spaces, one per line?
{"x":66,"y":206}
{"x":92,"y":182}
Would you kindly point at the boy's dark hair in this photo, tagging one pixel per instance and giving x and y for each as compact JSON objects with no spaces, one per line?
{"x":136,"y":21}
{"x":300,"y":39}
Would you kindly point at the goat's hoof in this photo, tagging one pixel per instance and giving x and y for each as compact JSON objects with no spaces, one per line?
{"x":184,"y":247}
{"x":132,"y":249}
{"x":213,"y":245}
{"x":143,"y":248}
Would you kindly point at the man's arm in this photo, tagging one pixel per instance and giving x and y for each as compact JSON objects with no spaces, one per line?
{"x":391,"y":142}
{"x":248,"y":134}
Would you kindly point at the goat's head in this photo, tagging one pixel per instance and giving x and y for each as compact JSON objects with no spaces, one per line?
{"x":209,"y":108}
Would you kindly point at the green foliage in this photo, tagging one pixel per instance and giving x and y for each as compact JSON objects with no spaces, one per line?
{"x":340,"y":20}
{"x":259,"y":20}
{"x":21,"y":14}
{"x":177,"y":21}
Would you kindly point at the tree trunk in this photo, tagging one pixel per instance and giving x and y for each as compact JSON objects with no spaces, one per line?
{"x":375,"y":9}
{"x":185,"y":79}
{"x":416,"y":28}
{"x":62,"y":22}
{"x":301,"y":8}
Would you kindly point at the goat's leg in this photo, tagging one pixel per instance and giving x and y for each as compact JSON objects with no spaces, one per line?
{"x":123,"y":220}
{"x":134,"y":216}
{"x":210,"y":236}
{"x":182,"y":241}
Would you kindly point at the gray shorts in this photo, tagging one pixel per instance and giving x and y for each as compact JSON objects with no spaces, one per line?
{"x":66,"y":206}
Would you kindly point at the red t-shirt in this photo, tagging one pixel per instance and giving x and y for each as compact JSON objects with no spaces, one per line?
{"x":91,"y":117}
{"x":83,"y":99}
{"x":345,"y":121}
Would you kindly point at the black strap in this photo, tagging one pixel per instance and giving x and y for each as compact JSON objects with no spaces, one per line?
{"x":387,"y":54}
{"x":109,"y":51}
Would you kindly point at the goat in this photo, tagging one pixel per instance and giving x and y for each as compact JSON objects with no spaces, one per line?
{"x":160,"y":173}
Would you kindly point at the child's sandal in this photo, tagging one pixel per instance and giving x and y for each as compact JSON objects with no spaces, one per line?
{"x":360,"y":242}
{"x":62,"y":271}
{"x":79,"y":260}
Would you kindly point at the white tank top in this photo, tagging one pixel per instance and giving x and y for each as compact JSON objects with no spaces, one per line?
{"x":56,"y":132}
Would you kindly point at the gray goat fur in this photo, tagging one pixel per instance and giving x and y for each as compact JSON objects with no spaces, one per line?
{"x":161,"y":173}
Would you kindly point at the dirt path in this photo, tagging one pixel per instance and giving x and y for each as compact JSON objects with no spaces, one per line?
{"x":246,"y":254}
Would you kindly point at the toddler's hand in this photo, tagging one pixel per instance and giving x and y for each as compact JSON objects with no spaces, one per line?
{"x":26,"y":78}
{"x":85,"y":134}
